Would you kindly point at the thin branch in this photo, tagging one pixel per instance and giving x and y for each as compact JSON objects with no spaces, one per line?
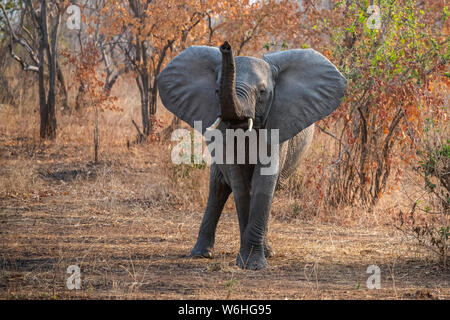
{"x":328,"y":133}
{"x":25,"y":66}
{"x":16,"y":39}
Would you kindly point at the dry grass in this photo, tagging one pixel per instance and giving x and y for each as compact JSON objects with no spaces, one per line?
{"x":130,"y":221}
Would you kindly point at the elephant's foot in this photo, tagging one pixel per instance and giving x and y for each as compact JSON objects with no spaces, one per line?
{"x":202,"y":249}
{"x":268,"y":250}
{"x":253,"y":259}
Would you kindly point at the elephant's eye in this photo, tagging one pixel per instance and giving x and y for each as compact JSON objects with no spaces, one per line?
{"x":262,"y":92}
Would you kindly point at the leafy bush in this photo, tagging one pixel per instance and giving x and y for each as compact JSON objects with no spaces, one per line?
{"x":394,"y":73}
{"x":428,"y":220}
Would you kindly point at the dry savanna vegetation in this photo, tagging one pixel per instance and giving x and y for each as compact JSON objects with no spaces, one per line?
{"x":86,"y":176}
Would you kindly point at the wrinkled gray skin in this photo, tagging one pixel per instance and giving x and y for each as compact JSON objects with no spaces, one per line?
{"x":288,"y":90}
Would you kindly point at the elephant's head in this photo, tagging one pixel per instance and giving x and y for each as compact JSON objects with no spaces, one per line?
{"x":287,"y":90}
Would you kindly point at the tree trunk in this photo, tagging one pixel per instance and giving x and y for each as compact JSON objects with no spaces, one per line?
{"x":62,"y":86}
{"x":47,"y":112}
{"x":110,"y":81}
{"x":153,"y":101}
{"x":144,"y":110}
{"x":52,"y":57}
{"x":79,"y":103}
{"x":173,"y":125}
{"x":96,"y":134}
{"x":142,"y":82}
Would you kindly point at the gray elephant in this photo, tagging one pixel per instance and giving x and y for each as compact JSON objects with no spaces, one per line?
{"x":288,"y":90}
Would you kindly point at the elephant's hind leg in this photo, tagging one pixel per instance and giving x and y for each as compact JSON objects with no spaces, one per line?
{"x":219,"y":192}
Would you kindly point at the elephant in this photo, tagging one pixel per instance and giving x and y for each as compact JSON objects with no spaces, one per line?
{"x":287,"y":90}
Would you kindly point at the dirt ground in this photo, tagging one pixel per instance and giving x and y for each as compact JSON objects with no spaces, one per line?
{"x":118,"y":221}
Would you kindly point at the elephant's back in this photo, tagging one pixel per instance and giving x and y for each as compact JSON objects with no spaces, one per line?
{"x":295,"y":151}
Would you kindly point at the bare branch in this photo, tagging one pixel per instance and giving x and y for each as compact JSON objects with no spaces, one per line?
{"x":326,"y":132}
{"x":25,"y":66}
{"x":16,"y":39}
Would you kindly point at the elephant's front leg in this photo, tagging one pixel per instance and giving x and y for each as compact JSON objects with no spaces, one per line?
{"x":252,"y":253}
{"x":219,"y":192}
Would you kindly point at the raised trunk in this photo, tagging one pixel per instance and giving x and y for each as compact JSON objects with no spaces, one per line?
{"x":231,"y":107}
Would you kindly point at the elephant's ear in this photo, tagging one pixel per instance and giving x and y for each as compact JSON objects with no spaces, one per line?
{"x":187,"y":85}
{"x":308,"y":88}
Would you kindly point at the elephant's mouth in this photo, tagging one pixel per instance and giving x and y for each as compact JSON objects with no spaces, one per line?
{"x":234,"y":124}
{"x":240,"y":124}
